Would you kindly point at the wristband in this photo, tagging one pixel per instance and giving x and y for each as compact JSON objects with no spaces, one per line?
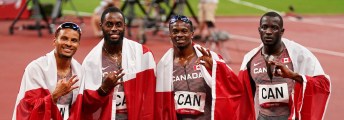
{"x":102,"y":92}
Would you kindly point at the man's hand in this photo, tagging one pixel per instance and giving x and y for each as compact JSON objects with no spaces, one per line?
{"x":205,"y":60}
{"x":283,"y":71}
{"x":112,"y":80}
{"x":63,"y":87}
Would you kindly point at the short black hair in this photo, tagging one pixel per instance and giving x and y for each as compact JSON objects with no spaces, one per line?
{"x":112,"y":10}
{"x":272,"y":14}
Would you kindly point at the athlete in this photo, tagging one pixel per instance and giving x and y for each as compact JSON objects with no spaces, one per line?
{"x":192,"y":82}
{"x":49,"y":87}
{"x":282,"y":79}
{"x":119,"y":75}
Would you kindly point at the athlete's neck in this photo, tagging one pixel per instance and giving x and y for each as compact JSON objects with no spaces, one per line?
{"x":113,"y":49}
{"x":184,"y":56}
{"x":63,"y":64}
{"x":273,"y":50}
{"x":184,"y":53}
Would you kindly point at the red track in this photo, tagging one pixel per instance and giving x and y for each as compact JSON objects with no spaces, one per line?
{"x":321,"y":32}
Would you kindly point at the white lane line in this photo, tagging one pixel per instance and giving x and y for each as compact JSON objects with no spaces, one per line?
{"x":72,"y":12}
{"x":316,"y":50}
{"x":259,"y":7}
{"x":322,"y":23}
{"x":308,"y":21}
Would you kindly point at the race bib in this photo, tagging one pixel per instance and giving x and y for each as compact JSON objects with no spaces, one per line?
{"x":121,"y":104}
{"x":273,"y":95}
{"x":189,"y":102}
{"x":64,"y":110}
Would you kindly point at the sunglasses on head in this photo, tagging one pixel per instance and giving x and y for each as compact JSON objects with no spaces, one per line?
{"x":179,"y":17}
{"x":70,"y":25}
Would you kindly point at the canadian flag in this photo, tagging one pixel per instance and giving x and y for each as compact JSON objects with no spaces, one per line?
{"x":286,"y":60}
{"x":197,"y":67}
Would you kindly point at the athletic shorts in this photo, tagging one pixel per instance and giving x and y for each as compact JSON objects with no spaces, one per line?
{"x":265,"y":117}
{"x":207,"y":11}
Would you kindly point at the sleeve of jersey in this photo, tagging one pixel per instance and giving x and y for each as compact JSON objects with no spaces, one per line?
{"x":37,"y":102}
{"x":313,"y":97}
{"x":228,"y":92}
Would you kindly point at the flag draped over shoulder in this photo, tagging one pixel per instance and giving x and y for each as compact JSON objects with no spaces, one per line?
{"x":225,"y":88}
{"x":310,"y":98}
{"x":139,"y":83}
{"x":34,"y":100}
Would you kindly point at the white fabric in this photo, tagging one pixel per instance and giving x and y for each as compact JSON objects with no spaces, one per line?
{"x":304,"y":62}
{"x":165,"y":69}
{"x":298,"y":54}
{"x":42,"y":73}
{"x":131,"y":64}
{"x":165,"y":73}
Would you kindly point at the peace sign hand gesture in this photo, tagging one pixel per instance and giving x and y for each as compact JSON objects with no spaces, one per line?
{"x":205,"y":60}
{"x":63,"y":87}
{"x":112,"y":79}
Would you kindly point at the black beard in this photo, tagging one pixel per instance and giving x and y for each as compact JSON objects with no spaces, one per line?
{"x":64,"y":56}
{"x":181,"y":47}
{"x":184,"y":46}
{"x":109,"y":41}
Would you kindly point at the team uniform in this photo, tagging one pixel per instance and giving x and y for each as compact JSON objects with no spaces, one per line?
{"x":274,"y":97}
{"x":272,"y":94}
{"x":34,"y":100}
{"x":193,"y":92}
{"x":130,"y":100}
{"x":121,"y":106}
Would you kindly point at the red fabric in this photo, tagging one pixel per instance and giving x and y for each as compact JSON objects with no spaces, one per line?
{"x":139,"y":99}
{"x":315,"y":97}
{"x":312,"y":103}
{"x":247,"y":111}
{"x":145,"y":49}
{"x":310,"y":97}
{"x":228,"y":93}
{"x":165,"y":108}
{"x":34,"y":101}
{"x":12,"y":12}
{"x":140,"y":94}
{"x":36,"y":105}
{"x":139,"y":83}
{"x":92,"y":102}
{"x":76,"y":108}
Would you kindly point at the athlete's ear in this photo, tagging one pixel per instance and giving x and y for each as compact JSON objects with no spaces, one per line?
{"x":282,"y":31}
{"x":54,"y":42}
